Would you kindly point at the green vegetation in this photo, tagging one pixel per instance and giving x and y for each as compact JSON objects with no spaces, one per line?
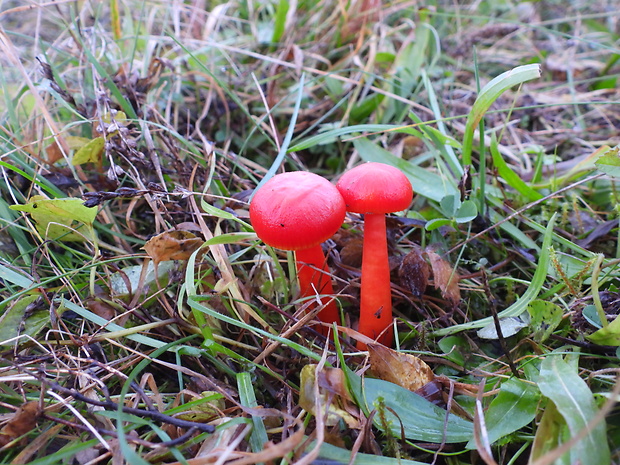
{"x":142,"y":320}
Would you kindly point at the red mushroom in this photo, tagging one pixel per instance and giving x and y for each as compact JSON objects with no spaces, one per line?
{"x":297,"y":211}
{"x":375,"y":189}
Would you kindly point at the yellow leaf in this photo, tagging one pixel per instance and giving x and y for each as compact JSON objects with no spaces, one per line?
{"x":172,"y":245}
{"x":406,"y":370}
{"x":89,"y":153}
{"x":57,"y":218}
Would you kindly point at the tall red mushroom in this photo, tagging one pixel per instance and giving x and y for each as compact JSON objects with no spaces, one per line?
{"x":375,"y":189}
{"x":298,"y":211}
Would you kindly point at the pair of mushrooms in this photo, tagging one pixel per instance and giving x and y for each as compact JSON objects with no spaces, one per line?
{"x":300,"y":210}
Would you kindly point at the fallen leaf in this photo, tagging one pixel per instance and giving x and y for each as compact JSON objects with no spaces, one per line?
{"x":205,"y":407}
{"x":23,"y":421}
{"x":172,"y":245}
{"x":57,"y":218}
{"x":445,"y":277}
{"x":53,"y":152}
{"x":414,"y":272}
{"x":90,"y":152}
{"x":331,"y":383}
{"x":405,"y":370}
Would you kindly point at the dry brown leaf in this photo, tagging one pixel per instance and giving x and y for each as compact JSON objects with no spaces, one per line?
{"x":53,"y":152}
{"x":172,"y":245}
{"x":446,"y":278}
{"x":330,"y":383}
{"x":405,"y":370}
{"x":414,"y":272}
{"x":23,"y":421}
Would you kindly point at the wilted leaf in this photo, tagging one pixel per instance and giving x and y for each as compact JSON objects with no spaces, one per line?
{"x":23,"y":421}
{"x":571,"y":395}
{"x":172,"y":245}
{"x":406,"y":370}
{"x":53,"y":152}
{"x":445,"y":277}
{"x":414,"y":272}
{"x":56,"y":218}
{"x":89,"y":153}
{"x":509,"y":326}
{"x":331,"y":391}
{"x":126,"y":281}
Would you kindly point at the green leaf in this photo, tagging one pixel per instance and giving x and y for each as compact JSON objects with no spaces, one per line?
{"x":24,"y":317}
{"x":551,"y":432}
{"x":514,"y":407}
{"x":230,"y":238}
{"x":328,"y":137}
{"x":337,"y":456}
{"x":89,"y":153}
{"x":421,"y":419}
{"x":56,"y":218}
{"x":450,"y":205}
{"x":544,"y":318}
{"x":609,"y":162}
{"x":572,"y":397}
{"x":436,"y":223}
{"x":467,"y":212}
{"x":608,"y":335}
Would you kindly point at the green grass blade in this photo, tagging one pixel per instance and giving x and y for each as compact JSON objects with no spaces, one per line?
{"x":510,"y":176}
{"x":258,"y":437}
{"x":280,"y":20}
{"x":489,"y":94}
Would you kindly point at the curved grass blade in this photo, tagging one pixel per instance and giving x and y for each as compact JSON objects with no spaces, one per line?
{"x":488,"y":95}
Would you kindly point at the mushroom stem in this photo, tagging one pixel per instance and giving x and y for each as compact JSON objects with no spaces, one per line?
{"x":376,"y":293}
{"x":314,"y":278}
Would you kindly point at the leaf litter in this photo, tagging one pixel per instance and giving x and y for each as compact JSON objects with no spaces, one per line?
{"x":159,"y":364}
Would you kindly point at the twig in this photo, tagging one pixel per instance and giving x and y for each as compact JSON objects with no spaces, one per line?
{"x":109,"y":405}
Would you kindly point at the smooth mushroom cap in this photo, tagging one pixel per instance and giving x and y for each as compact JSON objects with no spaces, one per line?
{"x":297,"y":210}
{"x":375,"y":188}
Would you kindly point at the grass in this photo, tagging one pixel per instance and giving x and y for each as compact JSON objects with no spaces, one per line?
{"x":165,"y":331}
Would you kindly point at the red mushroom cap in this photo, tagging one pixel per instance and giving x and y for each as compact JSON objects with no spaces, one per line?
{"x":375,"y":188}
{"x":297,"y":210}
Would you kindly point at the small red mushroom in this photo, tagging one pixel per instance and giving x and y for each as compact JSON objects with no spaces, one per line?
{"x":375,"y":189}
{"x":298,"y":211}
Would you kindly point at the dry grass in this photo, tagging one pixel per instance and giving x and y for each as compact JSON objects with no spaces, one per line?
{"x":197,"y":102}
